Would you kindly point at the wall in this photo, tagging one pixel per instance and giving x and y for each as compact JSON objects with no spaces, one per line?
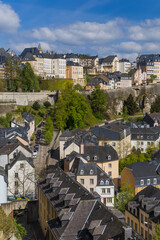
{"x":14,"y":205}
{"x":7,"y":107}
{"x":27,"y":98}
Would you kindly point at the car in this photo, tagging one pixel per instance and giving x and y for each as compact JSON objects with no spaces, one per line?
{"x":39,"y":132}
{"x":34,"y":154}
{"x":36,"y":147}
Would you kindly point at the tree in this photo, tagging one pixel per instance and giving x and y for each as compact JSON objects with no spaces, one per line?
{"x":157,"y":235}
{"x":36,"y":106}
{"x":71,"y":109}
{"x":131,"y":105}
{"x":78,"y":87}
{"x":125,"y":195}
{"x":152,"y":78}
{"x":47,"y":104}
{"x":48,"y":133}
{"x":98,"y":102}
{"x":155,"y":107}
{"x":30,"y":81}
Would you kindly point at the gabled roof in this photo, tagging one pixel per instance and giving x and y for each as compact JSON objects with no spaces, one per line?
{"x":28,"y":117}
{"x":108,"y":59}
{"x":20,"y":157}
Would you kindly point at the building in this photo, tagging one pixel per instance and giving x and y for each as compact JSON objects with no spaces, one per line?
{"x":125,"y":81}
{"x":108,"y":64}
{"x":21,"y":177}
{"x":141,"y":174}
{"x":29,"y":123}
{"x":153,"y":119}
{"x":124,"y":65}
{"x":143,"y":212}
{"x":68,"y":211}
{"x":116,"y":135}
{"x":103,"y":81}
{"x":3,"y":184}
{"x":72,"y":57}
{"x":9,"y":150}
{"x":94,"y":179}
{"x":150,"y":63}
{"x":142,"y":138}
{"x":75,"y":71}
{"x":140,"y":76}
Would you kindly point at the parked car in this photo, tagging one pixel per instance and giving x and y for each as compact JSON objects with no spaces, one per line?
{"x":36,"y":147}
{"x":34,"y":154}
{"x":39,"y":132}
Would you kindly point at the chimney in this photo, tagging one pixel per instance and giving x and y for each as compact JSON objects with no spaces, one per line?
{"x":82,"y":147}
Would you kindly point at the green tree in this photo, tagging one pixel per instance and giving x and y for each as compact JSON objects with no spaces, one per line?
{"x":48,"y":133}
{"x":155,"y":107}
{"x":47,"y":104}
{"x":131,"y":105}
{"x":78,"y":87}
{"x":48,"y":136}
{"x":152,"y":78}
{"x":157,"y":235}
{"x":30,"y":81}
{"x":71,"y":109}
{"x":125,"y":195}
{"x":98,"y":102}
{"x":36,"y":105}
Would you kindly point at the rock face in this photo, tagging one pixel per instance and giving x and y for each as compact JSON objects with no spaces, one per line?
{"x":144,"y":96}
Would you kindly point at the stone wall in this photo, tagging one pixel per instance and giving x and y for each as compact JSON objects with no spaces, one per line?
{"x":14,"y":205}
{"x":7,"y":107}
{"x":27,"y":98}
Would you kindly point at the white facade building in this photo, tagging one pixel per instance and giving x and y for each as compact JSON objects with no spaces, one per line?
{"x":124,"y":65}
{"x":59,"y":67}
{"x":106,"y":192}
{"x":3,"y":186}
{"x":21,"y":177}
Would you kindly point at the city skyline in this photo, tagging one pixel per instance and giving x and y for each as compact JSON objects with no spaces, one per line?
{"x":94,"y":27}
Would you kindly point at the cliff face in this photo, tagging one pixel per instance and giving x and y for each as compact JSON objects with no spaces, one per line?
{"x":144,"y":96}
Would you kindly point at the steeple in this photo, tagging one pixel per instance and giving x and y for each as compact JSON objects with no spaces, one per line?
{"x":39,"y":48}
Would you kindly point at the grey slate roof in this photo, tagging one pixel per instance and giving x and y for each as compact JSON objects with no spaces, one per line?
{"x":70,"y":63}
{"x":8,"y":133}
{"x":20,"y":157}
{"x":144,"y":134}
{"x":80,"y":224}
{"x":108,"y":59}
{"x":28,"y":117}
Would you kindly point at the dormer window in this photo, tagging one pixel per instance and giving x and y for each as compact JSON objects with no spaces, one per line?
{"x":107,"y":182}
{"x":148,"y":181}
{"x":82,"y":172}
{"x":88,"y":158}
{"x":91,"y":171}
{"x":109,"y":157}
{"x":142,"y":182}
{"x":154,"y":180}
{"x":95,"y":158}
{"x":101,"y":182}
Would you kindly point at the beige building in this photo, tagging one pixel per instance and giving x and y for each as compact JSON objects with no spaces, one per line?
{"x":75,"y":71}
{"x":108,"y":64}
{"x":143,"y":212}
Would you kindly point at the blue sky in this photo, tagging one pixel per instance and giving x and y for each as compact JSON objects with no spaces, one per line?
{"x":103,"y":27}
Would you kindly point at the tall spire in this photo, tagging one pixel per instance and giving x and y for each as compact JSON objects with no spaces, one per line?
{"x":39,"y":48}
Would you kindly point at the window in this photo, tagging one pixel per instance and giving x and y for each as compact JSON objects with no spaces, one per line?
{"x":141,"y":137}
{"x":142,"y":218}
{"x":110,"y":174}
{"x":103,"y":190}
{"x":91,"y":190}
{"x":132,"y":223}
{"x":109,"y":200}
{"x":154,"y":180}
{"x":82,"y":181}
{"x":16,"y":183}
{"x":113,"y":144}
{"x":109,"y":157}
{"x":110,"y":165}
{"x":108,"y":190}
{"x":107,"y":182}
{"x":142,"y":149}
{"x":22,"y":165}
{"x":136,"y":226}
{"x":91,"y":181}
{"x":148,"y":143}
{"x":148,"y":181}
{"x":91,"y":171}
{"x":82,"y":172}
{"x":142,"y":231}
{"x":95,"y":158}
{"x":101,"y":182}
{"x":88,"y":158}
{"x":142,"y":182}
{"x":146,"y":221}
{"x":16,"y":175}
{"x":146,"y":235}
{"x":128,"y":221}
{"x":141,"y":143}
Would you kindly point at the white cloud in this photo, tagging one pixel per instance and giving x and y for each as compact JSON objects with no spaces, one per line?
{"x":129,"y":47}
{"x":9,"y":19}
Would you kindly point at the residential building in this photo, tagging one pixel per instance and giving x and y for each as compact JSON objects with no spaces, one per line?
{"x":142,"y":138}
{"x":103,"y":81}
{"x":9,"y":150}
{"x":2,"y":71}
{"x":141,"y":174}
{"x":140,"y":76}
{"x":29,"y":122}
{"x":72,"y":57}
{"x":117,"y":135}
{"x":59,"y":66}
{"x":143,"y":212}
{"x":108,"y":64}
{"x":153,"y":119}
{"x":3,"y":184}
{"x":104,"y":156}
{"x":75,"y":71}
{"x":21,"y":177}
{"x":125,"y":81}
{"x":150,"y":63}
{"x":68,"y":211}
{"x":124,"y":65}
{"x":94,"y":179}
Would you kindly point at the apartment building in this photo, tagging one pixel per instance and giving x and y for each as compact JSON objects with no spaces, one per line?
{"x":124,"y":65}
{"x":75,"y":71}
{"x":108,"y":64}
{"x":150,"y":64}
{"x":68,"y":211}
{"x":143,"y":212}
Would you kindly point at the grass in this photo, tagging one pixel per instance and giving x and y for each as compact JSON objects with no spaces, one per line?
{"x":54,"y":84}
